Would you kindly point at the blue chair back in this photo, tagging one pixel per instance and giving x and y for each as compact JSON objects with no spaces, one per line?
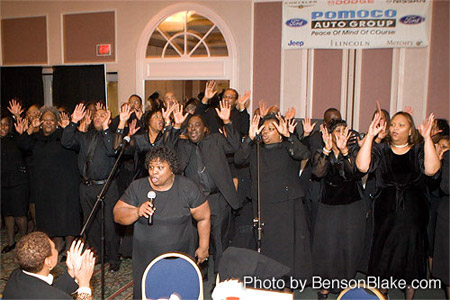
{"x":166,"y":275}
{"x":358,"y":294}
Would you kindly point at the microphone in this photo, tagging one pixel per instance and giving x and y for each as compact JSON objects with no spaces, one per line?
{"x":151,"y":198}
{"x":125,"y":141}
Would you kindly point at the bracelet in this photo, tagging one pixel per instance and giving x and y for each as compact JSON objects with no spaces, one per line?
{"x":326,"y":151}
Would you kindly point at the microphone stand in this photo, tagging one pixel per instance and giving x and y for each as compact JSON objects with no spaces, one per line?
{"x":101,"y":201}
{"x":257,"y":222}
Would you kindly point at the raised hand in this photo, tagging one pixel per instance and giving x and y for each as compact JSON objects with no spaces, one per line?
{"x":327,"y":139}
{"x":132,"y":128}
{"x":243,"y":100}
{"x":78,"y":113}
{"x":426,"y":127}
{"x":290,"y":114}
{"x":383,"y":133}
{"x":35,"y":124}
{"x":107,"y":120}
{"x":409,"y":110}
{"x":178,"y":115}
{"x":210,"y":89}
{"x":138,"y":113}
{"x":263,"y":109}
{"x":64,"y":120}
{"x":224,"y":112}
{"x":282,"y":127}
{"x":307,"y":126}
{"x":167,"y":112}
{"x":21,"y":125}
{"x":376,"y":126}
{"x":292,"y":124}
{"x":342,"y":139}
{"x":125,"y":112}
{"x":254,"y":128}
{"x":73,"y":258}
{"x":15,"y":108}
{"x":84,"y":274}
{"x":99,"y":106}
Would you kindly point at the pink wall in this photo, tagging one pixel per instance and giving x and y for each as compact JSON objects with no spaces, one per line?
{"x":327,"y":81}
{"x":267,"y":53}
{"x":438,"y":89}
{"x":376,"y":73}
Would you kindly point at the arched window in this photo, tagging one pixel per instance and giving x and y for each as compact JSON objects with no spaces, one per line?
{"x":186,"y":34}
{"x":189,"y":43}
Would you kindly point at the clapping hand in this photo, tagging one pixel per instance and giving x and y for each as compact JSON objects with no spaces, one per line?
{"x":73,"y":260}
{"x":224,"y":112}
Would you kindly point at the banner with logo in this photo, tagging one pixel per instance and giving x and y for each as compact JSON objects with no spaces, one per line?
{"x":355,"y":24}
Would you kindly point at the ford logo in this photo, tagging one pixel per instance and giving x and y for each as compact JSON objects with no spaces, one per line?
{"x":296,"y":22}
{"x":412,"y":20}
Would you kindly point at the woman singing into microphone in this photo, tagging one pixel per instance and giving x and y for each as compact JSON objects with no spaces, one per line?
{"x":177,"y":201}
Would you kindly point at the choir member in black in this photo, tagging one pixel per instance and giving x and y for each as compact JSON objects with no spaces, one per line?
{"x":240,"y":120}
{"x":54,"y":177}
{"x":285,"y":233}
{"x":441,"y":262}
{"x":96,"y":158}
{"x":400,"y":205}
{"x":178,"y":202}
{"x":127,"y":168}
{"x":239,"y":115}
{"x":141,"y":141}
{"x":313,"y":140}
{"x":340,"y":225}
{"x":36,"y":256}
{"x":32,"y":112}
{"x":14,"y":180}
{"x":203,"y":159}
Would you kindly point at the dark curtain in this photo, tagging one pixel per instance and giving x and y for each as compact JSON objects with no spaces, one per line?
{"x":22,"y":83}
{"x":73,"y":84}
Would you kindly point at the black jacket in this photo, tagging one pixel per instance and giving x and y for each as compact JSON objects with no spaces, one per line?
{"x":23,"y":286}
{"x":214,"y":148}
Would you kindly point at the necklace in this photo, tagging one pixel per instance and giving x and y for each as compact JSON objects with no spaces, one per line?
{"x":400,"y":146}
